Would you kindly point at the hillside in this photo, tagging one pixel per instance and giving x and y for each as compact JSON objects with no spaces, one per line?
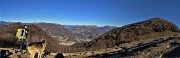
{"x":3,"y":23}
{"x":8,"y":39}
{"x":152,"y":38}
{"x":149,"y":29}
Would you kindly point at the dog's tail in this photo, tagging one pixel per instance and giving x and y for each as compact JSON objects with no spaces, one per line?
{"x":43,"y":40}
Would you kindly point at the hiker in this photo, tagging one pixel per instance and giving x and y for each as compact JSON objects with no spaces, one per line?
{"x":22,"y":36}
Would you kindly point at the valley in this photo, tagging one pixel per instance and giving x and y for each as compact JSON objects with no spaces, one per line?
{"x":152,"y":38}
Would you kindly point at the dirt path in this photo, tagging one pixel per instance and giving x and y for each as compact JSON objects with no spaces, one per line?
{"x":154,"y":48}
{"x":10,"y":52}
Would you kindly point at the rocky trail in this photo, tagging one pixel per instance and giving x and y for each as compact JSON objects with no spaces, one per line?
{"x":10,"y":53}
{"x":155,"y":48}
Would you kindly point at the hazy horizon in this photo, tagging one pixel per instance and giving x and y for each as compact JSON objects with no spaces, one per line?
{"x":61,"y":24}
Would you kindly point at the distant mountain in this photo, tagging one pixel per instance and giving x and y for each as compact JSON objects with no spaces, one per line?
{"x":149,"y":29}
{"x":3,"y":23}
{"x":88,"y":31}
{"x":107,"y":28}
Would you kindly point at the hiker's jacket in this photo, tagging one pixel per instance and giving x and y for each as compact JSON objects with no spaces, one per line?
{"x":21,"y":33}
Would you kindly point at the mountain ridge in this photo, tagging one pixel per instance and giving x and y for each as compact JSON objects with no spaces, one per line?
{"x":68,"y":36}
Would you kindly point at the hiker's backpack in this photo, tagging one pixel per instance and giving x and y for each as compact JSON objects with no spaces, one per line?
{"x":19,"y":33}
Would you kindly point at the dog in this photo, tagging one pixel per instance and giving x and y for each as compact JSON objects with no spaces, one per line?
{"x":37,"y":47}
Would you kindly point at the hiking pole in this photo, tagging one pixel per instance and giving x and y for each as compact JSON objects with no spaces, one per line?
{"x":21,"y":47}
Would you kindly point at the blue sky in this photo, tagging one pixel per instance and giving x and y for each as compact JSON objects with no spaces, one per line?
{"x":89,"y":12}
